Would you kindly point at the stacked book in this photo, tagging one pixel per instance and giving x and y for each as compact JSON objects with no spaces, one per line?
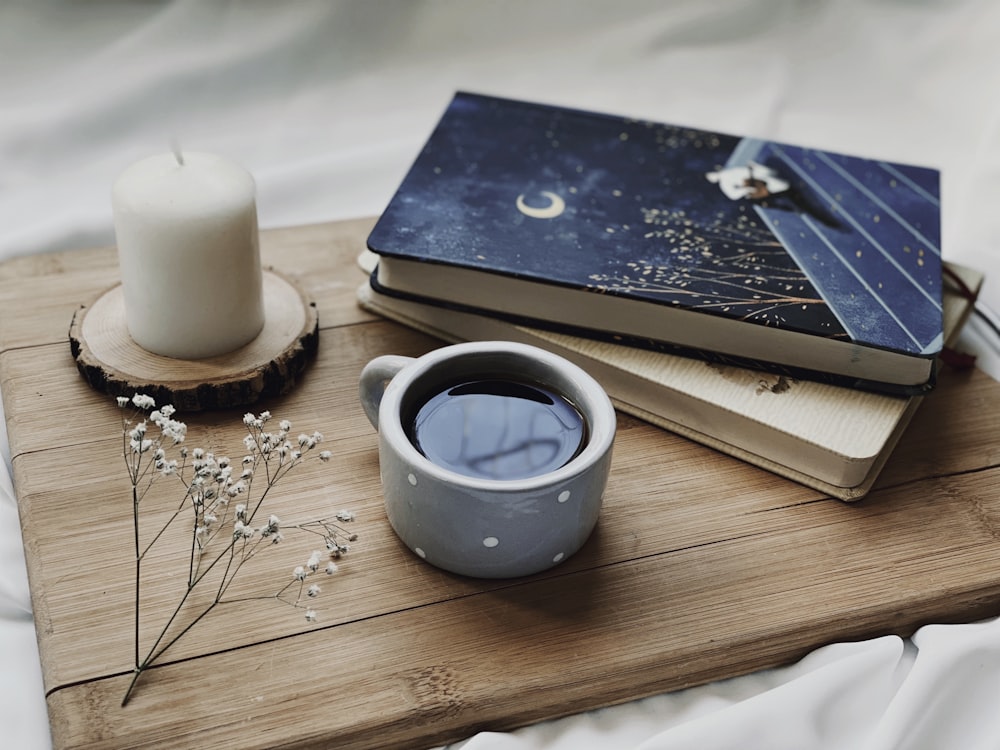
{"x":784,"y":305}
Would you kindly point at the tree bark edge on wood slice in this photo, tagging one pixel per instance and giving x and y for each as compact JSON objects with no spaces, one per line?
{"x":111,"y":362}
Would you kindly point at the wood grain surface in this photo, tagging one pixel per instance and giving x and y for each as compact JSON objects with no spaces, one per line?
{"x":701,"y":567}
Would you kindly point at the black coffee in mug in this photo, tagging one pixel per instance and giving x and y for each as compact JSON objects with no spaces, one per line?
{"x":497,"y":429}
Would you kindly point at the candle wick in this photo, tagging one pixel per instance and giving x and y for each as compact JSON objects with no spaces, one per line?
{"x":176,"y":148}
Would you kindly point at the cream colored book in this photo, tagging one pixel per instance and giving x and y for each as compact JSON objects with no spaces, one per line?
{"x":830,"y":438}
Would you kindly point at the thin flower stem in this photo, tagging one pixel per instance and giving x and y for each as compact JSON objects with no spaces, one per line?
{"x":160,"y":532}
{"x":150,"y":654}
{"x":260,"y":500}
{"x":193,"y":559}
{"x":131,"y":686}
{"x":263,"y":598}
{"x":125,"y":455}
{"x":156,"y":654}
{"x":209,"y":487}
{"x":138,"y":569}
{"x":206,"y":571}
{"x":229,"y":577}
{"x":226,"y":572}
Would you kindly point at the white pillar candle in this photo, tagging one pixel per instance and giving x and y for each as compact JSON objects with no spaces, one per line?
{"x":188,"y":251}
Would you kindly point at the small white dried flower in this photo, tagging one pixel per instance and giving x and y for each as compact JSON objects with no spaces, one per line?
{"x":210,"y":484}
{"x":314,"y":560}
{"x":345,"y":515}
{"x":140,"y":446}
{"x":337,"y":551}
{"x":271,"y":527}
{"x":143,"y":401}
{"x":175,"y":431}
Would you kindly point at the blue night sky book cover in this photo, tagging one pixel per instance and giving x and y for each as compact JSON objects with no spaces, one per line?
{"x":771,"y":234}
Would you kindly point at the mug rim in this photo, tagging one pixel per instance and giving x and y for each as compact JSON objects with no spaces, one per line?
{"x":598,"y":411}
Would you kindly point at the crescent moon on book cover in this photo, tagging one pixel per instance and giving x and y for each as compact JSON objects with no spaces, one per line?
{"x":556,"y":206}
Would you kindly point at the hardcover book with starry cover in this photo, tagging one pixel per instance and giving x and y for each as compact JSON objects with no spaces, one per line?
{"x":738,"y":250}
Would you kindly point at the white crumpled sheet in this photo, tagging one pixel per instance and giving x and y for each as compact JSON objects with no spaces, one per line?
{"x":327,"y":103}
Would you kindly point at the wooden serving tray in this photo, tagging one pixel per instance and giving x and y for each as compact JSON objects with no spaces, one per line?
{"x":701,"y":567}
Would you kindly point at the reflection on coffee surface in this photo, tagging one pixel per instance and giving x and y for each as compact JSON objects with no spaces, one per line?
{"x":498,"y":429}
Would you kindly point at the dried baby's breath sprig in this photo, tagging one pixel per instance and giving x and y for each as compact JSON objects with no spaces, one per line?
{"x":219,"y":501}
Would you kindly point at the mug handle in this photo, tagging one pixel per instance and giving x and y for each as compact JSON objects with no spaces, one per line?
{"x":374,"y":378}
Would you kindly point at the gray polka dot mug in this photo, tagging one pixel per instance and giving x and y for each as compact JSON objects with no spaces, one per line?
{"x":494,"y":455}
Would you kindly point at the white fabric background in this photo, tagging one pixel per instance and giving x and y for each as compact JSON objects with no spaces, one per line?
{"x":327,"y":104}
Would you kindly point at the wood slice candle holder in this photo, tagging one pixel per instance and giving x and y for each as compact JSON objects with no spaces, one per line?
{"x":111,"y":362}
